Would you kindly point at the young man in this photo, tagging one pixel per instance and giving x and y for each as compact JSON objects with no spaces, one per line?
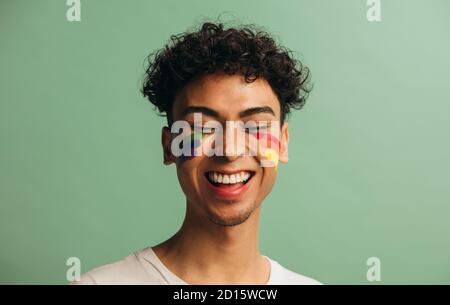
{"x":218,"y":75}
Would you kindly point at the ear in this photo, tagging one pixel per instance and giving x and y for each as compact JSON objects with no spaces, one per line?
{"x":166,"y":141}
{"x":284,"y":143}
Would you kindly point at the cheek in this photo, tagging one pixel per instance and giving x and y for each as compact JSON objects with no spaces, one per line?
{"x":190,"y":150}
{"x":272,"y":157}
{"x":188,"y":176}
{"x":269,"y":150}
{"x":188,"y":165}
{"x":267,"y":177}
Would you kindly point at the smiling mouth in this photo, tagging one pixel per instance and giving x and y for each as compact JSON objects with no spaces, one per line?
{"x":234,"y":180}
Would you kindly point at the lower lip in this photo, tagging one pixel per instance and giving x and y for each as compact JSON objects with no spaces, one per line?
{"x":230,"y":192}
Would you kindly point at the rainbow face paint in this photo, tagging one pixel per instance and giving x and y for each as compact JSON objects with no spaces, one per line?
{"x":189,"y":142}
{"x":191,"y":146}
{"x":269,"y":146}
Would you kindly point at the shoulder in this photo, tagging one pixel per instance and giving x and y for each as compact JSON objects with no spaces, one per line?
{"x":283,"y":276}
{"x":134,"y":269}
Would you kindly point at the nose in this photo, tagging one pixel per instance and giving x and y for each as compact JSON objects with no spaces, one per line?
{"x":233,"y":145}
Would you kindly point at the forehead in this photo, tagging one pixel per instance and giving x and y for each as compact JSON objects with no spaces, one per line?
{"x":228,"y":95}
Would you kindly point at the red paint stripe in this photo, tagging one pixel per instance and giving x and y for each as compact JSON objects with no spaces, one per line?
{"x":271,"y":138}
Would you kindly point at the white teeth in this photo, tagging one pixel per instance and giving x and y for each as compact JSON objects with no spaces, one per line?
{"x":232,"y":179}
{"x":228,"y":179}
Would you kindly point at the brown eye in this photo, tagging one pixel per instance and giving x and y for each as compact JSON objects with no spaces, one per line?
{"x":258,"y":128}
{"x":201,"y":129}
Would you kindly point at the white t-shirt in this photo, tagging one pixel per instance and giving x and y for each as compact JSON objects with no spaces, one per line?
{"x":145,"y":268}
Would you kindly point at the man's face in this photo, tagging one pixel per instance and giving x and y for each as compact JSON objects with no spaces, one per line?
{"x":226,"y":189}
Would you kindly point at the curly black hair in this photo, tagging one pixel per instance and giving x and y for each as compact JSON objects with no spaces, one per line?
{"x":244,"y":50}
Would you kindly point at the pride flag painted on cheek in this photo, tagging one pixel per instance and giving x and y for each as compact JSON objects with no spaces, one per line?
{"x":194,"y":146}
{"x":268,"y":149}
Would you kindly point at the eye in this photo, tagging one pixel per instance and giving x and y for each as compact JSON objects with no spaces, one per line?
{"x":255,"y":129}
{"x":201,"y":129}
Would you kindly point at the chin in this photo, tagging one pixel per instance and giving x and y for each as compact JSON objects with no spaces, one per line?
{"x":230,"y":213}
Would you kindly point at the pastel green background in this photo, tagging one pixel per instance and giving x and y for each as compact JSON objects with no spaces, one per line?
{"x":81,"y":170}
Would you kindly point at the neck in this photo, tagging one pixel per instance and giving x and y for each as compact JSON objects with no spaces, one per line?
{"x":204,"y":252}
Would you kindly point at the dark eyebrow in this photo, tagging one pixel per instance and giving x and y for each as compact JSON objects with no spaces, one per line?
{"x":256,"y":110}
{"x":200,"y":109}
{"x":213,"y":113}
